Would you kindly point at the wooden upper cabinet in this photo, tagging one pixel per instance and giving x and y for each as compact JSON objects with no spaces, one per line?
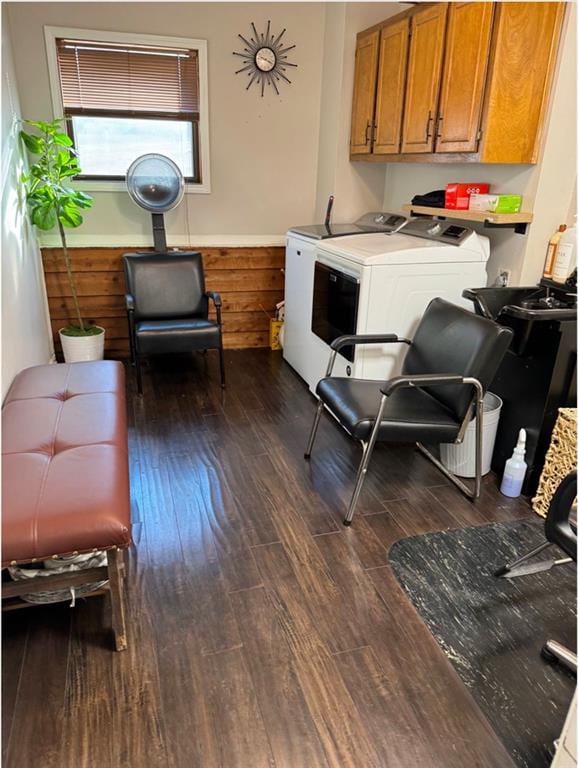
{"x":526,"y":41}
{"x":393,"y":47}
{"x":456,"y":82}
{"x":423,"y":77}
{"x":364,"y":92}
{"x":467,"y":52}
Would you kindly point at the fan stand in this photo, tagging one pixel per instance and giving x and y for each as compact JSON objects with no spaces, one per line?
{"x":159,"y":234}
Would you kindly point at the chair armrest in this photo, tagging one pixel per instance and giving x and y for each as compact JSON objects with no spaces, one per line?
{"x":215,"y":297}
{"x":129,"y":301}
{"x":352,"y":340}
{"x":422,"y":380}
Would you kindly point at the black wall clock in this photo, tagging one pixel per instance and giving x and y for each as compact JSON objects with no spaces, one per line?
{"x":265,"y":59}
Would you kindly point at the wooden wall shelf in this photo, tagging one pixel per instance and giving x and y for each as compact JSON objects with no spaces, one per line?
{"x":516,"y":220}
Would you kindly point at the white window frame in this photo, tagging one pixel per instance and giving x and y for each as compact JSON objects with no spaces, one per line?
{"x":51,"y":34}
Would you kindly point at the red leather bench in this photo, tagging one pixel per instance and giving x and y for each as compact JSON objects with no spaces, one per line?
{"x":65,"y":486}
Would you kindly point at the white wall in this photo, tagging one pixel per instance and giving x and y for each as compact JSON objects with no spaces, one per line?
{"x":26,"y":337}
{"x":263,"y":150}
{"x":357,"y":187}
{"x":548,"y":187}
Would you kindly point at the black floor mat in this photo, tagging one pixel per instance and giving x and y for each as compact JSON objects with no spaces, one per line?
{"x":492,"y":629}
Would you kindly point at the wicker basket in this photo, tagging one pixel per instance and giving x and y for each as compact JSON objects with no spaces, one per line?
{"x":64,"y":564}
{"x":560,"y":459}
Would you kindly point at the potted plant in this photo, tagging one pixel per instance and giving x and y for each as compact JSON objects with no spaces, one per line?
{"x":53,"y":204}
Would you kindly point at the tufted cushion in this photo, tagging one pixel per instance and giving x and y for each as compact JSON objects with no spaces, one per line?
{"x":65,"y":481}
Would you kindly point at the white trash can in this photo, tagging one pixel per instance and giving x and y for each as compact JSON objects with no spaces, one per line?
{"x":461,"y":459}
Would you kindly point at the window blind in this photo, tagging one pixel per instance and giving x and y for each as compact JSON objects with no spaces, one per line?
{"x":103,"y":78}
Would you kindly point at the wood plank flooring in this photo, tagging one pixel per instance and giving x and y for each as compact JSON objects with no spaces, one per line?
{"x":262,"y":633}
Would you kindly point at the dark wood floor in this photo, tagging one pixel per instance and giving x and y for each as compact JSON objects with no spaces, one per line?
{"x":262,"y":632}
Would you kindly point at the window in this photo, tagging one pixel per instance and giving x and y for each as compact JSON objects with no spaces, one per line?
{"x":128,"y":95}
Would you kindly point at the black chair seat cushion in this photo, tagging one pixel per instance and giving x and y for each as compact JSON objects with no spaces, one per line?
{"x":410,"y":414}
{"x":160,"y":336}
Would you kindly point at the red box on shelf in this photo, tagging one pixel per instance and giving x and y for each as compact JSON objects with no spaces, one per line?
{"x":458,"y":195}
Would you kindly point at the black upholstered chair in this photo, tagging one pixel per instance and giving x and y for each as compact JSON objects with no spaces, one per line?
{"x":168,"y":307}
{"x":449,"y":364}
{"x":560,"y":532}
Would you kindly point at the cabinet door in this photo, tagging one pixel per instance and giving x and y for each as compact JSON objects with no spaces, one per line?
{"x":423,"y":77}
{"x":393,"y":47}
{"x":526,"y":40}
{"x":364,"y":93}
{"x":465,"y":66}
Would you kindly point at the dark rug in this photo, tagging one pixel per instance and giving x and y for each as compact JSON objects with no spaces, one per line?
{"x":492,"y":629}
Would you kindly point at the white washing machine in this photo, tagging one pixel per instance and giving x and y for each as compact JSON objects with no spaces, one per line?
{"x":380,"y":283}
{"x":300,"y":256}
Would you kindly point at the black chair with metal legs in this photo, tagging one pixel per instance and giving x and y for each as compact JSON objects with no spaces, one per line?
{"x":452,"y":359}
{"x":560,"y":531}
{"x":168,"y":307}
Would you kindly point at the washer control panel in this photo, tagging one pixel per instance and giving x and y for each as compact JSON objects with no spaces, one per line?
{"x":440,"y":230}
{"x":385,"y":222}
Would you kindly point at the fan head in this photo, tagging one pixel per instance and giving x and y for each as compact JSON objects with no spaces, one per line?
{"x":155,"y":183}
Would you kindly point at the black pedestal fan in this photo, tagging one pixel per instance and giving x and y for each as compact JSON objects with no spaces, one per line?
{"x":156,"y":184}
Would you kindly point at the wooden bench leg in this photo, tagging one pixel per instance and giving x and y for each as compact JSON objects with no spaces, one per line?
{"x":116,"y":579}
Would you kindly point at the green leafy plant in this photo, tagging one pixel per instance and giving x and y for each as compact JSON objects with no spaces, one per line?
{"x":50,"y":202}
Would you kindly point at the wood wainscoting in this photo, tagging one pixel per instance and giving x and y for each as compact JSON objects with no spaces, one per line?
{"x":250,"y":281}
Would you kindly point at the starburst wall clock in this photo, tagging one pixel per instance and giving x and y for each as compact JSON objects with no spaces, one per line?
{"x":265,"y":59}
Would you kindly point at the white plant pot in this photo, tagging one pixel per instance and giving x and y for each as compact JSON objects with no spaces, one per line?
{"x":79,"y":349}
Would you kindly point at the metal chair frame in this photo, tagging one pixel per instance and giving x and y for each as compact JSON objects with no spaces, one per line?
{"x":552,"y":650}
{"x":135,"y":356}
{"x":387,"y":389}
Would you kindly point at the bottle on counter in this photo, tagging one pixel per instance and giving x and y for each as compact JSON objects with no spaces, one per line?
{"x":565,"y":258}
{"x":551,"y":252}
{"x":515,"y":469}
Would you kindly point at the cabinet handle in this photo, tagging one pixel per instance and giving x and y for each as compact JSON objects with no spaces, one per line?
{"x":298,"y":253}
{"x":367,"y":127}
{"x":438,"y":131}
{"x":428,"y":134}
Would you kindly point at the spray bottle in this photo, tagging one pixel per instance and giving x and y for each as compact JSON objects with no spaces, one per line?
{"x":515,"y":469}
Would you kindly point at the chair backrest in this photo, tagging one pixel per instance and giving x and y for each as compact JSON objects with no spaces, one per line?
{"x":168,"y":285}
{"x":449,"y":339}
{"x":557,"y":526}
